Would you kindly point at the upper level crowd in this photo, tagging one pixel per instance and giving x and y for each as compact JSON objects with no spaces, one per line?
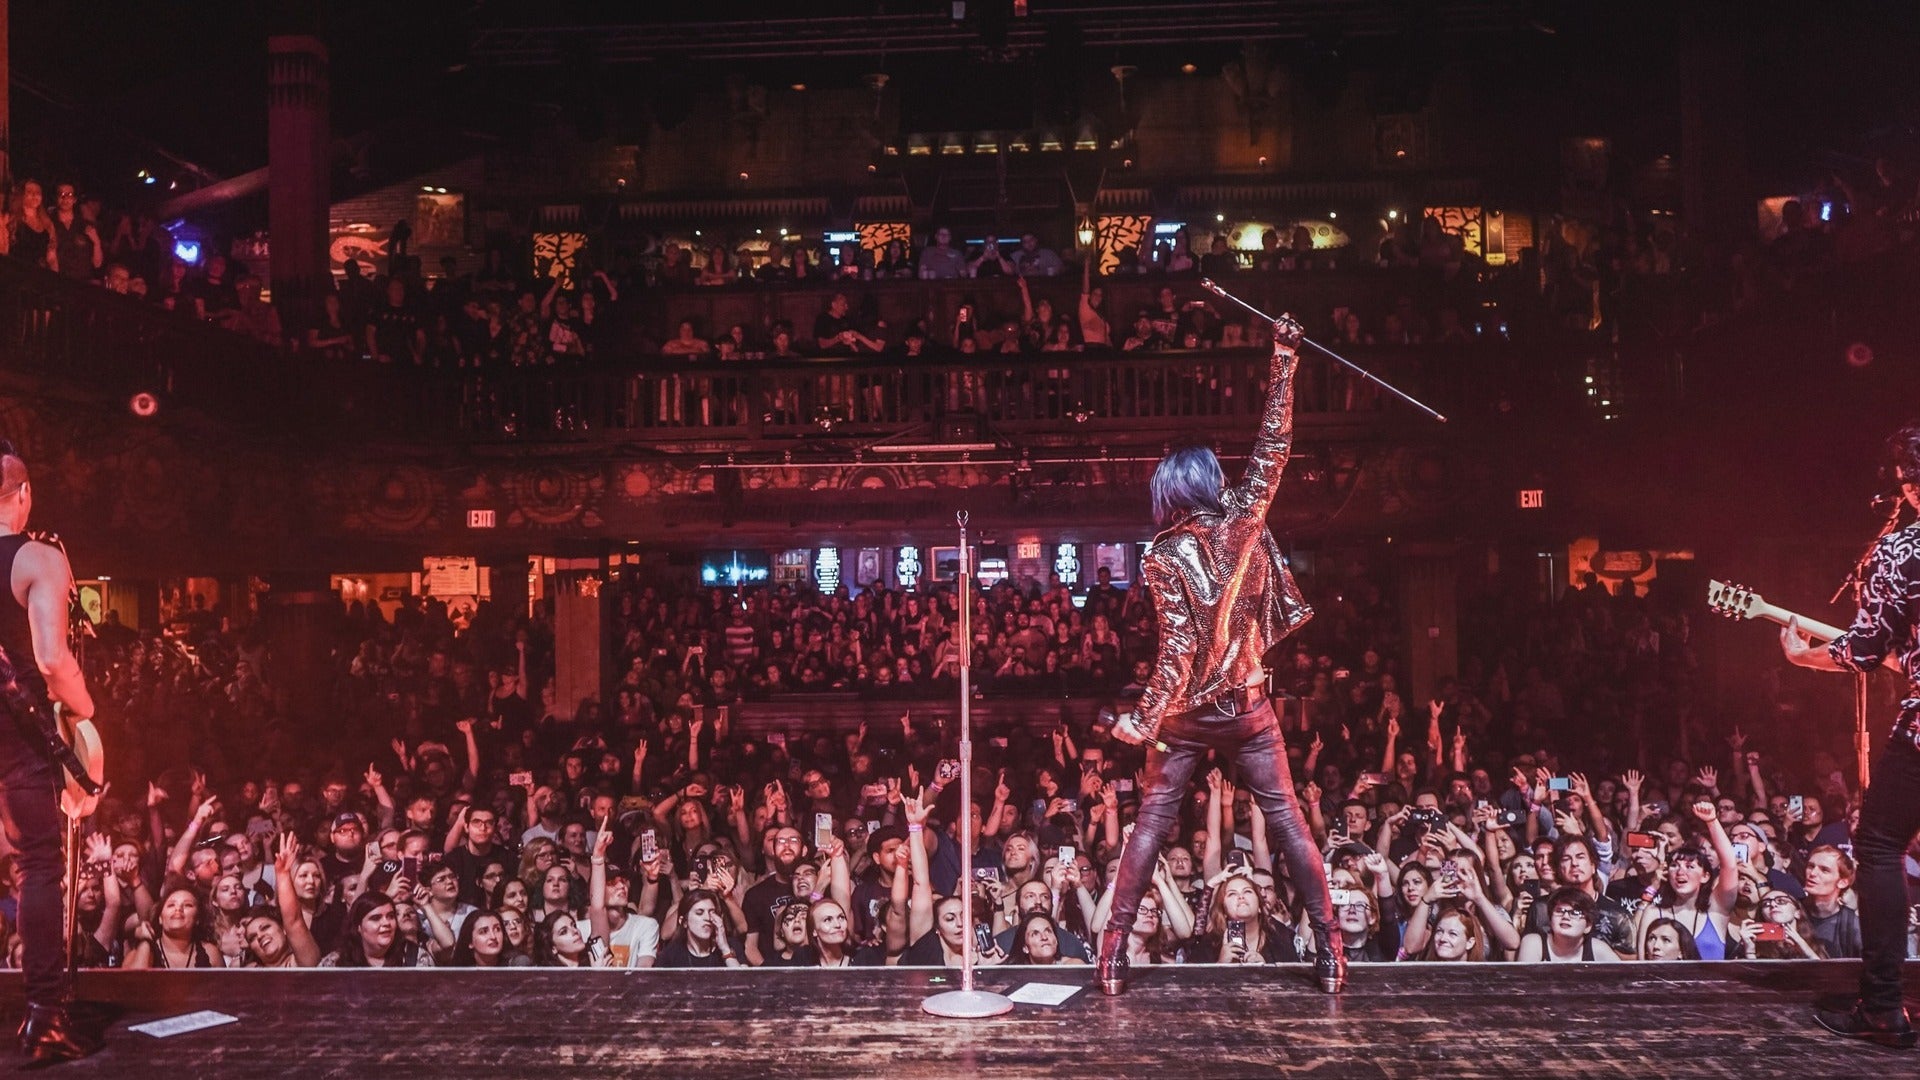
{"x":1630,"y":277}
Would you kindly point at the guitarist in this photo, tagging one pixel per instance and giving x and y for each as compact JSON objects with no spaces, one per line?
{"x":33,"y":631}
{"x":1888,"y":624}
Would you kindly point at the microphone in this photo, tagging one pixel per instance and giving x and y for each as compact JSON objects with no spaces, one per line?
{"x":1887,"y":500}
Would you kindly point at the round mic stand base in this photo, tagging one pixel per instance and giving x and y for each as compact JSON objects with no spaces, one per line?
{"x":968,"y":1004}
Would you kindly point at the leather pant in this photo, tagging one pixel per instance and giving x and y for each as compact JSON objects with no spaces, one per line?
{"x":1889,"y":817}
{"x":30,"y":814}
{"x":1252,"y":741}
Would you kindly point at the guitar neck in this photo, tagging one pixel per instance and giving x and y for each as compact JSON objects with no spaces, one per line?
{"x":1814,"y":628}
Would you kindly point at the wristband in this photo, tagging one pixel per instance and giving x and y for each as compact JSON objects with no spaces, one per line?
{"x":916,"y":828}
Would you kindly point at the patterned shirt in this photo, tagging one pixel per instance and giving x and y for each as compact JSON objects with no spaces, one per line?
{"x":1885,"y":625}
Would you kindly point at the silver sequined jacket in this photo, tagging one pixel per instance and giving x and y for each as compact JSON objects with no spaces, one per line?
{"x":1221,"y":589}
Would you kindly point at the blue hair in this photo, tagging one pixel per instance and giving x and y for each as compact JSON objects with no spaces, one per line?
{"x":1188,"y":479}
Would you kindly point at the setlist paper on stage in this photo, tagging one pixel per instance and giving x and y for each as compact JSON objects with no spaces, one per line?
{"x":1043,"y":994}
{"x":180,"y":1025}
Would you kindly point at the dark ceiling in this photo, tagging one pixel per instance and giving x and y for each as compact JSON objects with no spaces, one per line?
{"x":103,"y":90}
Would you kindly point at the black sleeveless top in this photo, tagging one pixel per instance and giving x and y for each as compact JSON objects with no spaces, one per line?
{"x":30,"y":244}
{"x":16,"y":634}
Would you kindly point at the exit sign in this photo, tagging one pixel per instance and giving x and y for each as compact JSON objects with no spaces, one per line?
{"x":1532,"y":498}
{"x":479,"y":519}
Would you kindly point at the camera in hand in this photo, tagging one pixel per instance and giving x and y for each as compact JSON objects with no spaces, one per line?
{"x":1427,"y":817}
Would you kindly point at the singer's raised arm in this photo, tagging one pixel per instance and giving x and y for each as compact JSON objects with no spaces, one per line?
{"x":1274,"y":442}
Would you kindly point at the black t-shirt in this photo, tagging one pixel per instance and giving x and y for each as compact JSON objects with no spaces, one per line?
{"x":468,"y":865}
{"x":1839,"y":932}
{"x":927,"y":952}
{"x":826,"y":327}
{"x":868,"y":897}
{"x":758,"y":906}
{"x":393,"y":330}
{"x":1276,"y":947}
{"x":217,"y":295}
{"x":675,"y":954}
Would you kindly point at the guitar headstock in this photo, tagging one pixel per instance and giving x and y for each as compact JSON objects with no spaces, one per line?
{"x":1734,"y":601}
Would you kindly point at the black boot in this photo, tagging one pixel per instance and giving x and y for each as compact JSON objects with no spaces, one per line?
{"x":49,"y":1034}
{"x":1113,"y":962}
{"x":1330,"y":960}
{"x":1890,"y":1029}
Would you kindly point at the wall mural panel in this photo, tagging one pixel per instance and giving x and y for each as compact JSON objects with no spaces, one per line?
{"x":876,"y":235}
{"x":557,"y":254}
{"x":1115,"y":233}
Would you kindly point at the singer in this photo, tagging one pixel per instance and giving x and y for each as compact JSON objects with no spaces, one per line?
{"x":1885,"y":625}
{"x":1223,"y":596}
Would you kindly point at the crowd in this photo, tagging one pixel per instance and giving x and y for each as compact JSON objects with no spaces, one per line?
{"x":457,"y":815}
{"x":1625,"y":275}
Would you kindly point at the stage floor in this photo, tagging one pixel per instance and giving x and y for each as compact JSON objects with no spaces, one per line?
{"x":1413,"y":1020}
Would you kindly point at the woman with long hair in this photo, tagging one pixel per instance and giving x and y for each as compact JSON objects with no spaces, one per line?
{"x":1238,"y":930}
{"x":517,"y":931}
{"x":561,"y":943}
{"x":1456,"y":935}
{"x":1782,"y":932}
{"x":228,"y":910}
{"x":30,"y":236}
{"x":557,"y":895}
{"x":179,"y":937}
{"x":483,"y":943}
{"x":372,"y":937}
{"x":1036,"y":940}
{"x":1668,"y":940}
{"x":833,"y":943}
{"x":699,"y":939}
{"x":1695,"y":893}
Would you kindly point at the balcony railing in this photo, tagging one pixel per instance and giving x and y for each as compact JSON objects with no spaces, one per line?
{"x":1117,"y":397}
{"x":99,"y":342}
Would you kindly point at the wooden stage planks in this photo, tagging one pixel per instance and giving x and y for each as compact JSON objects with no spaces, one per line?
{"x":1412,"y":1020}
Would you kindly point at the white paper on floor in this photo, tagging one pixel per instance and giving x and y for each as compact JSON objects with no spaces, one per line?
{"x":1043,"y":994}
{"x":185,"y":1022}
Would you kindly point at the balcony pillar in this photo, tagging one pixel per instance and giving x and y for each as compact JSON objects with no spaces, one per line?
{"x":582,"y":654}
{"x":298,"y":134}
{"x":1430,"y":610}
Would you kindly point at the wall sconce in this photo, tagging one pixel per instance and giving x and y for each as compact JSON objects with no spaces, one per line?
{"x":1085,"y":233}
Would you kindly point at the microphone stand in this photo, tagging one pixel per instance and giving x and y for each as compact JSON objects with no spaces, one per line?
{"x":966,"y":1003}
{"x":1214,"y":287}
{"x":1857,"y":580}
